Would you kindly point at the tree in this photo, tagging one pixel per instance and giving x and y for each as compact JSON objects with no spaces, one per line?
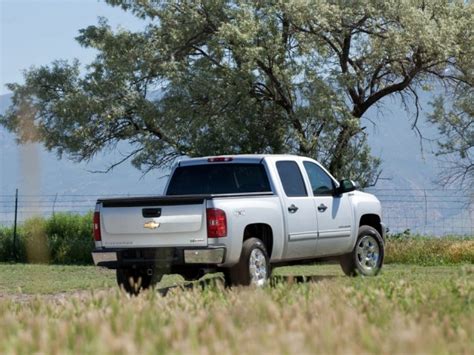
{"x":242,"y":77}
{"x":456,"y":146}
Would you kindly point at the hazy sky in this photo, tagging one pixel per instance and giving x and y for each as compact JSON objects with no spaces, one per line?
{"x":36,"y":32}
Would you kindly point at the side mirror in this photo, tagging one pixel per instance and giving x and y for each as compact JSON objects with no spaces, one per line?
{"x":346,"y":185}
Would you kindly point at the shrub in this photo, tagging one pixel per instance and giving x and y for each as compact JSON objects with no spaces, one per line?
{"x":70,"y":238}
{"x":64,"y":238}
{"x":6,"y":244}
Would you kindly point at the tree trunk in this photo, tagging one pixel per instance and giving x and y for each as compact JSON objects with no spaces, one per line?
{"x":343,"y":139}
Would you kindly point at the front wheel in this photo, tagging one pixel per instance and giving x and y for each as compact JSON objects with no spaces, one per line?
{"x":253,"y":267}
{"x":366,"y":258}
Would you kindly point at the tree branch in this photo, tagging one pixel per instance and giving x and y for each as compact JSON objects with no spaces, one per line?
{"x":110,"y":168}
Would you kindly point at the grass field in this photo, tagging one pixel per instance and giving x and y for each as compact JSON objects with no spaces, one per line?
{"x":406,"y":309}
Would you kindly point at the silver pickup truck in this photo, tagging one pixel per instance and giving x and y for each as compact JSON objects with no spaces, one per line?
{"x":240,"y":215}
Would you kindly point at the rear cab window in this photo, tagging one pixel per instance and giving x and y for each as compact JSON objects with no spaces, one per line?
{"x":219,"y":178}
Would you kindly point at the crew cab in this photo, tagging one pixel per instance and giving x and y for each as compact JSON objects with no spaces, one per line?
{"x":240,"y":215}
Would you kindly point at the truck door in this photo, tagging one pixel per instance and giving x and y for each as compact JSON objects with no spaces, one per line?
{"x":299,"y":209}
{"x":334,"y":213}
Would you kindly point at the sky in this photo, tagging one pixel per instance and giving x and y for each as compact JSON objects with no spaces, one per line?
{"x":36,"y":32}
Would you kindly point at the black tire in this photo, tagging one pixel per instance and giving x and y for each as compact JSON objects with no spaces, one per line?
{"x":241,"y":274}
{"x":353,"y":264}
{"x":133,"y":281}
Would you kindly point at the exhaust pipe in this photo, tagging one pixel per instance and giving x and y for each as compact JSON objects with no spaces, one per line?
{"x":149,"y":272}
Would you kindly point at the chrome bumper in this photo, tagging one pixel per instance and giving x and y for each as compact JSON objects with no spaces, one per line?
{"x":204,"y":256}
{"x":177,"y":256}
{"x":100,"y":257}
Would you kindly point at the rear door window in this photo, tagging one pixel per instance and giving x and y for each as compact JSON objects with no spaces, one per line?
{"x":291,"y":178}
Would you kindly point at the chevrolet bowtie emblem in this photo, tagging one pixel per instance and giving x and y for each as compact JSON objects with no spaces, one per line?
{"x":151,"y":225}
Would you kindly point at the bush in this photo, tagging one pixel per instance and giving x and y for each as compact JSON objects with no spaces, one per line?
{"x":70,"y":238}
{"x":64,"y":238}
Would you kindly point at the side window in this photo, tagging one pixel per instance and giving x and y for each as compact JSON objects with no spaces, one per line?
{"x":321,"y":183}
{"x":291,"y":178}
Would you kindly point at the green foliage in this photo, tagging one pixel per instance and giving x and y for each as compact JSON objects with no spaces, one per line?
{"x":70,"y":238}
{"x":6,"y":245}
{"x":214,"y":77}
{"x":455,"y":122}
{"x":401,"y":235}
{"x":61,"y":239}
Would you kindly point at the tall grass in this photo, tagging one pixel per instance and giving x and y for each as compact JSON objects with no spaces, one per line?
{"x":393,"y":314}
{"x":429,"y":251}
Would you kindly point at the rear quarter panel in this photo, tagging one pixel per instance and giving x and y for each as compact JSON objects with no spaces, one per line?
{"x":243,"y":211}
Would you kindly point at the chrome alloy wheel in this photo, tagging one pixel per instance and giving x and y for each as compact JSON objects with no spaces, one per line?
{"x":257,"y":267}
{"x":367,"y":253}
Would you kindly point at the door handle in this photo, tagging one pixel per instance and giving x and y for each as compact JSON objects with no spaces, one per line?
{"x":292,"y":208}
{"x":322,"y":207}
{"x":151,"y":212}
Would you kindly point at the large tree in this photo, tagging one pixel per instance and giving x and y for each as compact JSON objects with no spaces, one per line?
{"x":454,"y":119}
{"x":216,"y":76}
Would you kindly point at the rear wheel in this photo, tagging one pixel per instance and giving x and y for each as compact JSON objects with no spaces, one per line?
{"x":135,"y":280}
{"x":367,"y":256}
{"x":253,"y":267}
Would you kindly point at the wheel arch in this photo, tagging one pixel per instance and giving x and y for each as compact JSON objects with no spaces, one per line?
{"x":261,"y":231}
{"x":372,"y":220}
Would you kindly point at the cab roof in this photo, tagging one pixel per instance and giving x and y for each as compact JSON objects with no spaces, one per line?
{"x":236,"y":158}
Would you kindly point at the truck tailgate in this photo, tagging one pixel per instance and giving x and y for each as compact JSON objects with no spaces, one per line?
{"x":153,"y":221}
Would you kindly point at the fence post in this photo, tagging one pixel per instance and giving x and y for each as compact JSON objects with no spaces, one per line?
{"x":54,"y":202}
{"x":15,"y":256}
{"x":426,"y":210}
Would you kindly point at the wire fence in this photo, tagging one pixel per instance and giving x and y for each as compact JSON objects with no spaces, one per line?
{"x":422,"y":211}
{"x":427,"y":211}
{"x":46,"y":205}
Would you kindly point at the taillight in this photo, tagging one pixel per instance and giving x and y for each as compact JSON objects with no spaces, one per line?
{"x":96,"y":227}
{"x":216,"y":223}
{"x":219,"y":159}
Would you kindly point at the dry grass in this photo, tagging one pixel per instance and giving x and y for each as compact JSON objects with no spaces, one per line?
{"x":430,"y":251}
{"x":426,"y":310}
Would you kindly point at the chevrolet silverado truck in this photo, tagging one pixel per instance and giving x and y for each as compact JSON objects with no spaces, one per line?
{"x":239,"y":215}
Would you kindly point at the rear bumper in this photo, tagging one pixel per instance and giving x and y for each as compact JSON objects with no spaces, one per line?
{"x":116,"y":258}
{"x":104,"y":257}
{"x":204,"y":256}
